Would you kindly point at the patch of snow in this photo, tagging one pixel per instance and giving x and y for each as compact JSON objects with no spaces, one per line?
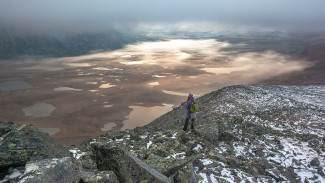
{"x":1,"y":138}
{"x":92,"y":141}
{"x":305,"y":175}
{"x":77,"y":153}
{"x":177,"y":155}
{"x":206,"y":161}
{"x":239,"y":150}
{"x":221,"y":148}
{"x":197,"y":148}
{"x":15,"y":174}
{"x":25,"y":178}
{"x":143,"y":136}
{"x":298,"y":155}
{"x":148,"y":144}
{"x":213,"y":178}
{"x":174,"y":136}
{"x":30,"y":168}
{"x":119,"y":140}
{"x":205,"y":178}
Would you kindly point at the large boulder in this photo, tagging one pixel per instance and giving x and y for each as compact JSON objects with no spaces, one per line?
{"x":127,"y":167}
{"x":51,"y":171}
{"x":22,"y":143}
{"x":6,"y":127}
{"x":98,"y":177}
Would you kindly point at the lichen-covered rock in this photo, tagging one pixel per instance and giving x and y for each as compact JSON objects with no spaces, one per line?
{"x":127,"y":167}
{"x":98,"y":177}
{"x":6,"y":127}
{"x":186,"y":175}
{"x":23,"y":143}
{"x":54,"y":170}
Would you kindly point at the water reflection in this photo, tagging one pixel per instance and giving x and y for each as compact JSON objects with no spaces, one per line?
{"x":143,"y":115}
{"x":140,"y":77}
{"x":51,"y":131}
{"x":39,"y":110}
{"x":14,"y":85}
{"x":107,"y":85}
{"x":66,"y":89}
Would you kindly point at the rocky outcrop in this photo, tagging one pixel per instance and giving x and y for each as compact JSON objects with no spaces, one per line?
{"x":128,"y":167}
{"x":51,"y":170}
{"x":242,"y":134}
{"x":22,"y":143}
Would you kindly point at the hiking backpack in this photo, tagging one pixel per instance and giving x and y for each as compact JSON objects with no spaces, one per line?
{"x":193,"y":107}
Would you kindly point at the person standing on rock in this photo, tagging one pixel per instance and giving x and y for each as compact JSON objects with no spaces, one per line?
{"x":190,"y":114}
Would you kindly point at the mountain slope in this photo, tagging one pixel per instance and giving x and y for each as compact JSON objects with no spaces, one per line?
{"x":243,"y":133}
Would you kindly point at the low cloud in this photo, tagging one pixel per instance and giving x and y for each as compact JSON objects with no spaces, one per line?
{"x":98,"y":15}
{"x":207,"y":60}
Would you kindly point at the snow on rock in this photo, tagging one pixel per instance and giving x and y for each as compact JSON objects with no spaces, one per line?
{"x":77,"y":153}
{"x":148,"y":144}
{"x":197,"y":148}
{"x":242,"y":134}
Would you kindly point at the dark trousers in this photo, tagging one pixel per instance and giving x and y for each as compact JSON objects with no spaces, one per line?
{"x":186,"y":123}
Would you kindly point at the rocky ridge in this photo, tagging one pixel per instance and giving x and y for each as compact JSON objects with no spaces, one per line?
{"x":242,"y":134}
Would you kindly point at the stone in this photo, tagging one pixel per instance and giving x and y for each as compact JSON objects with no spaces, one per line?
{"x":315,"y":162}
{"x":98,"y":177}
{"x":24,"y":143}
{"x":126,"y":166}
{"x":227,"y":136}
{"x":51,"y":171}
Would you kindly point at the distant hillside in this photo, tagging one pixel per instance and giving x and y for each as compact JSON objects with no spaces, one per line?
{"x":61,"y":44}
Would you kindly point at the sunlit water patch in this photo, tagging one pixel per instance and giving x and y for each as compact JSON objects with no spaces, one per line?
{"x":93,"y":91}
{"x":107,"y":85}
{"x":51,"y":131}
{"x":108,"y":127}
{"x":39,"y":110}
{"x":14,"y":85}
{"x":154,"y":84}
{"x":78,"y":64}
{"x":140,"y":116}
{"x":158,"y":76}
{"x":92,"y":83}
{"x":108,"y":105}
{"x":175,"y":93}
{"x":134,"y":62}
{"x":66,"y":89}
{"x":107,"y":69}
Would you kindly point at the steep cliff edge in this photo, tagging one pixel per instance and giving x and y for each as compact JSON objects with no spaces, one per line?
{"x":242,"y":134}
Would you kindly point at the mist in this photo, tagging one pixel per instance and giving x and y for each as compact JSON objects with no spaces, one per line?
{"x":101,"y":15}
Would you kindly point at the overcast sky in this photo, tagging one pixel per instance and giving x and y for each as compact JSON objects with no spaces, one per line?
{"x":102,"y":14}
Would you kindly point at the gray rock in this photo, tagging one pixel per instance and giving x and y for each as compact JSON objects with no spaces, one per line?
{"x":6,"y":127}
{"x":315,"y":162}
{"x":126,"y":166}
{"x":23,"y":143}
{"x":98,"y":177}
{"x":62,"y":170}
{"x":227,"y":136}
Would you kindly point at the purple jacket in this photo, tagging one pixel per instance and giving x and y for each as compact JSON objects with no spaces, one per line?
{"x":188,"y":105}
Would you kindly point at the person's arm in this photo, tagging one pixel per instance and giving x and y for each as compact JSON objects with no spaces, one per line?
{"x":188,"y":105}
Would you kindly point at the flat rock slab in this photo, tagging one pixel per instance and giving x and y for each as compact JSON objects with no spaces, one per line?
{"x":127,"y":167}
{"x":51,"y":171}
